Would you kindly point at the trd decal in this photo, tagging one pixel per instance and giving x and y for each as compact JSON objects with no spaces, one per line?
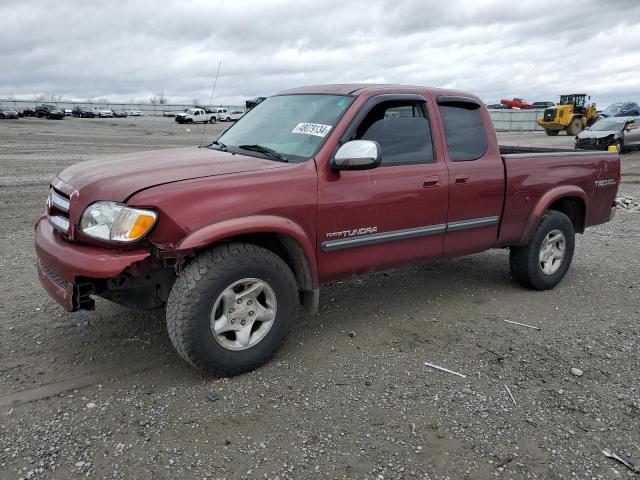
{"x":609,"y":182}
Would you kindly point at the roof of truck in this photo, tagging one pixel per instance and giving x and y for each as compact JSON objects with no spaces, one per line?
{"x":356,"y":88}
{"x":359,"y":88}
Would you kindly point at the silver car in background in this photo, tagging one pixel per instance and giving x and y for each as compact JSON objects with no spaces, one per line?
{"x":621,"y":132}
{"x":103,"y":112}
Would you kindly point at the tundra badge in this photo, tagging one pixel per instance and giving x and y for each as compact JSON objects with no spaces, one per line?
{"x":352,"y":233}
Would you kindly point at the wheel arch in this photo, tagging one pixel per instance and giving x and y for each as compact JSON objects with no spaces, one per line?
{"x":279,"y":235}
{"x":570,"y":200}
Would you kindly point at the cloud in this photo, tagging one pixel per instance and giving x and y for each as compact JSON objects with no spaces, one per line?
{"x":496,"y":49}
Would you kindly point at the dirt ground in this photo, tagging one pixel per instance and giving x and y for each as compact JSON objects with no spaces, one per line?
{"x":348,"y":396}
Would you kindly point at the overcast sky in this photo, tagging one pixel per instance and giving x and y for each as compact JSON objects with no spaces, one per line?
{"x":497,"y":49}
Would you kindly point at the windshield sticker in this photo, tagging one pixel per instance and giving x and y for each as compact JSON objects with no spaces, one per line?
{"x":316,"y":129}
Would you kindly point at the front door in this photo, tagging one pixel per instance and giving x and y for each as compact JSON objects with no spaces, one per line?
{"x":631,"y":133}
{"x":373,"y":219}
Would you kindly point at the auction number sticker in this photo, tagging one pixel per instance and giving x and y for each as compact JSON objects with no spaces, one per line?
{"x":316,"y":129}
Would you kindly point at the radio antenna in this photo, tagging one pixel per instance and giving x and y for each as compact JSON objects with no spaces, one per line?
{"x":213,"y":90}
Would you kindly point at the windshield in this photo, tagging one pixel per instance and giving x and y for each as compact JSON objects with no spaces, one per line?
{"x":294,"y":126}
{"x":607,"y":125}
{"x":614,"y":108}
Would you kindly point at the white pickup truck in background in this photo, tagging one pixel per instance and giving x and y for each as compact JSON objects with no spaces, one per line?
{"x":195,"y":115}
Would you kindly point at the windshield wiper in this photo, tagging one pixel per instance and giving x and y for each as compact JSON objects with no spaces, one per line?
{"x":264,"y":150}
{"x":220,"y":145}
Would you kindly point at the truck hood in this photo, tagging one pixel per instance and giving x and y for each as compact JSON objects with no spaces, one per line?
{"x":116,"y":178}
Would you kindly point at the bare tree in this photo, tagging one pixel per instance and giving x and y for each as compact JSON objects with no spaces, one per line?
{"x":48,"y":97}
{"x":158,"y":99}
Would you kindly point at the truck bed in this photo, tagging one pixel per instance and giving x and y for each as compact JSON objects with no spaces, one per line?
{"x":528,"y":151}
{"x":586,"y":176}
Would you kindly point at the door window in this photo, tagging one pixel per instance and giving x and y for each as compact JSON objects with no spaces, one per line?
{"x":465,"y":132}
{"x":403,"y":131}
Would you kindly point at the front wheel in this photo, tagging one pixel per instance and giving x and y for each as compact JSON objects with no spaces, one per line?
{"x":575,"y":127}
{"x":231,"y":308}
{"x":618,"y":146}
{"x":551,"y":133}
{"x":544,"y":261}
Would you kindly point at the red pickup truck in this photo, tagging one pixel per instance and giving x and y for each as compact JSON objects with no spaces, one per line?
{"x":312,"y":185}
{"x":516,"y":103}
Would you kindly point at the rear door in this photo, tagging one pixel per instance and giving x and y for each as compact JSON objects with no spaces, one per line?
{"x":476,"y":176}
{"x":373,"y":219}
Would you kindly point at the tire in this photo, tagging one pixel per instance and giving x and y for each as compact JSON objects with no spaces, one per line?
{"x":526,"y":263}
{"x":551,"y":133}
{"x":212,"y":120}
{"x":575,"y":127}
{"x":619,"y":146}
{"x":196,"y":296}
{"x":228,"y":119}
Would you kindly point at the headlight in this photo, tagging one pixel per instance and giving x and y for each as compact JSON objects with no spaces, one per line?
{"x":116,"y":222}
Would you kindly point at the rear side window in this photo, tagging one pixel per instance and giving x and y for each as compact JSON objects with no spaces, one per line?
{"x":402,"y":129}
{"x":465,"y":132}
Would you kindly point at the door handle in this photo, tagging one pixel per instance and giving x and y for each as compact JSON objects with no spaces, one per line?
{"x":462,"y":178}
{"x":431,"y":182}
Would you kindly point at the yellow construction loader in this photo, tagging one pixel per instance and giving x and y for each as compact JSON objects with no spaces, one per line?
{"x":572,"y":114}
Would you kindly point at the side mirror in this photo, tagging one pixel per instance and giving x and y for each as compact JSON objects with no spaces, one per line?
{"x":357,"y":155}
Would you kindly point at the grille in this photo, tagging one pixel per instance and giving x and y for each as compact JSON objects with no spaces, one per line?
{"x":58,"y":210}
{"x":593,"y":143}
{"x":57,"y":279}
{"x":549,"y":114}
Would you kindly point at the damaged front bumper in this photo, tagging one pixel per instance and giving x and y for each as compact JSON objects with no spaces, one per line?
{"x":595,"y":143}
{"x":66,"y":269}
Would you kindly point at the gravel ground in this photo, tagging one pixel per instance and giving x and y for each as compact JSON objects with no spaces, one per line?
{"x":349,"y":395}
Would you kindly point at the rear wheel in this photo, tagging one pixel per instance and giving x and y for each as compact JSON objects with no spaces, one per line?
{"x":212,"y":120}
{"x":544,"y":261}
{"x":551,"y":133}
{"x":575,"y":127}
{"x":231,"y":308}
